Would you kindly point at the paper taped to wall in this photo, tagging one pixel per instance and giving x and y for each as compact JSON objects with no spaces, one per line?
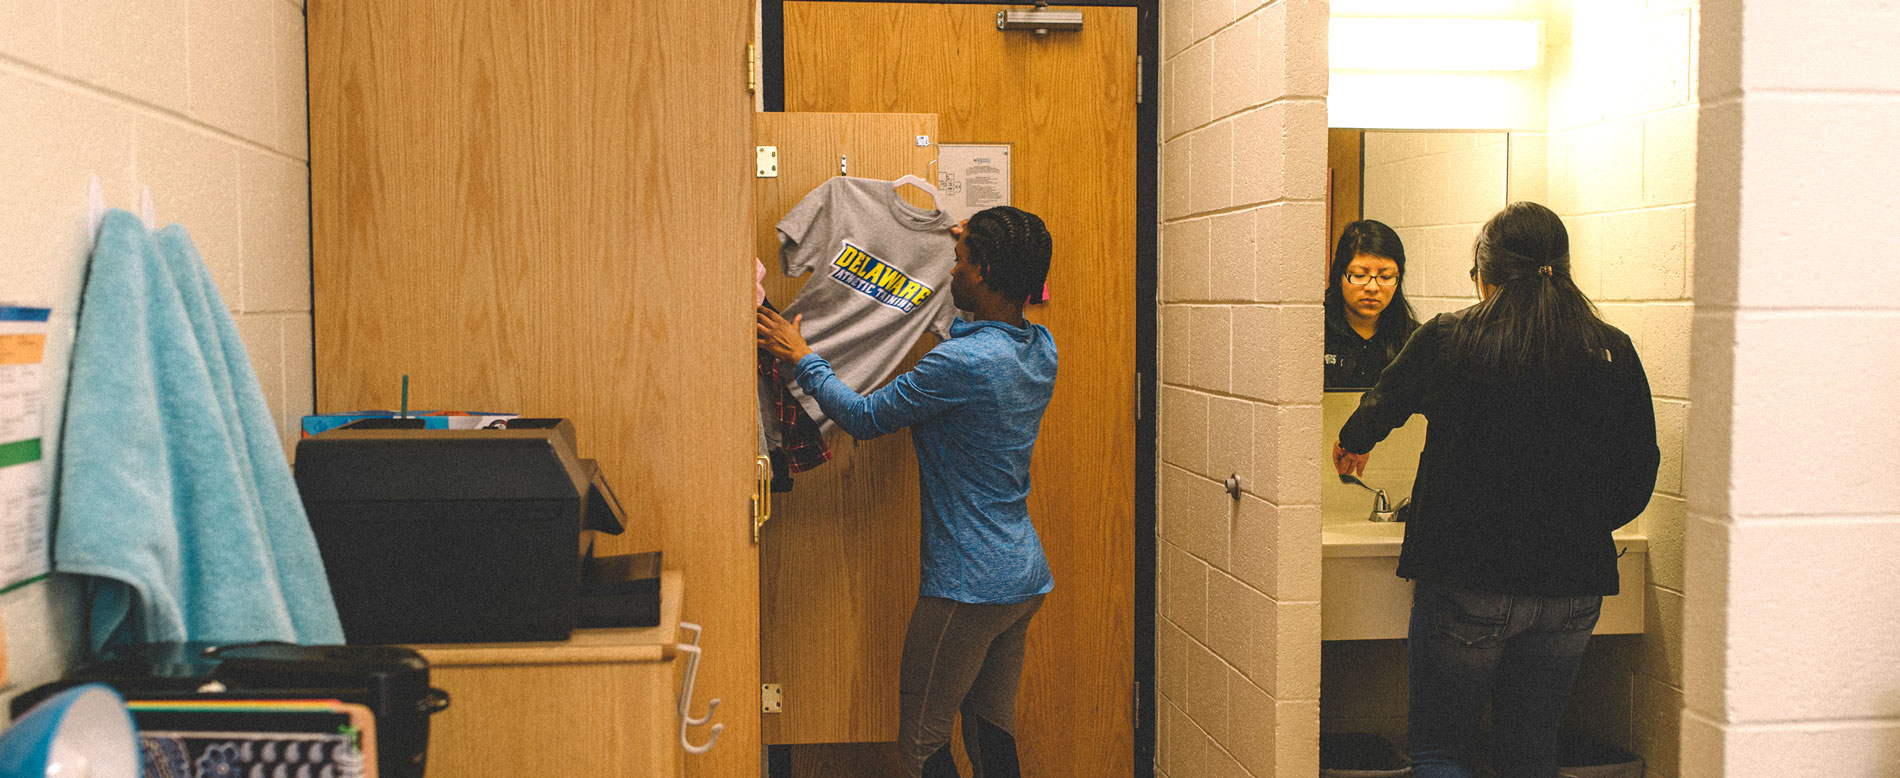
{"x":23,"y":482}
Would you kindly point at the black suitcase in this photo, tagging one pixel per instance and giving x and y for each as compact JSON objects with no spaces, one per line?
{"x":391,"y":681}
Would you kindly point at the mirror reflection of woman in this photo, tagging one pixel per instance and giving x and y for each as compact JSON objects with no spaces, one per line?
{"x":1542,"y":441}
{"x":1367,"y":317}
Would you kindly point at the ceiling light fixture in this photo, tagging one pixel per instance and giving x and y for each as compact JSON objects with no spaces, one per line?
{"x":1435,"y":44}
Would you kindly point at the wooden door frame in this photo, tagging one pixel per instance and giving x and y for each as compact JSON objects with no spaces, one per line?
{"x":1147,"y":253}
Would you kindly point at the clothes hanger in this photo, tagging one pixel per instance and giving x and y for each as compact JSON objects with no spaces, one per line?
{"x":936,"y":200}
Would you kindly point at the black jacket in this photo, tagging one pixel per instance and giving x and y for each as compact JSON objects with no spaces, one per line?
{"x":1521,"y":481}
{"x":1353,"y":362}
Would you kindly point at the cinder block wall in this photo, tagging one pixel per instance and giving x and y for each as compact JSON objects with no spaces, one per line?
{"x":1243,"y":167}
{"x":203,"y":102}
{"x":1794,"y":483}
{"x":1622,"y":174}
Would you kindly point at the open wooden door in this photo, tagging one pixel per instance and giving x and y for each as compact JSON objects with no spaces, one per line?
{"x":544,"y":208}
{"x":838,"y":563}
{"x":1066,"y":103}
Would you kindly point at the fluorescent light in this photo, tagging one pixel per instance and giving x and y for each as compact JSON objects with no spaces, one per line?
{"x":1396,"y":43}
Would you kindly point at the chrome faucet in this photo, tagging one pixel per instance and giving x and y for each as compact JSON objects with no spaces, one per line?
{"x":1381,"y":507}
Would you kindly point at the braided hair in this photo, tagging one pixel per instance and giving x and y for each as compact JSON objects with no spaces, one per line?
{"x":1012,"y":248}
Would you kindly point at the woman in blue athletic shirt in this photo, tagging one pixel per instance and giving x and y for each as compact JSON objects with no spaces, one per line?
{"x":973,"y":406}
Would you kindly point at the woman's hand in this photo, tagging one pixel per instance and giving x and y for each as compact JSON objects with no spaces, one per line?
{"x":1348,"y":463}
{"x":781,"y":337}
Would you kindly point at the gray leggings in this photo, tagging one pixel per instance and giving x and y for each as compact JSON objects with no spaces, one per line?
{"x":961,"y":657}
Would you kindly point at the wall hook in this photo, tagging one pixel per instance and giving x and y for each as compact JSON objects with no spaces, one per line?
{"x":693,"y":652}
{"x":148,"y":213}
{"x":95,"y":205}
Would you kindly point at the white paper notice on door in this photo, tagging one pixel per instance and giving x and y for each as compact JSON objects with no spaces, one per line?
{"x":972,"y":177}
{"x":24,"y":526}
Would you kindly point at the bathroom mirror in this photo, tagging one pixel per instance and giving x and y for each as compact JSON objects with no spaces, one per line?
{"x":1433,"y":189}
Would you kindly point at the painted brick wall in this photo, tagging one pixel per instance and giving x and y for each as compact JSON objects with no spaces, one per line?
{"x":1789,"y":639}
{"x":1243,"y":168}
{"x":1621,"y":146}
{"x":203,"y":102}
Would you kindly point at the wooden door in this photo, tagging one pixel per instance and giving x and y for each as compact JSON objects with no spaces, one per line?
{"x":546,"y":208}
{"x":1345,"y":177}
{"x":838,"y":565}
{"x":1066,"y":103}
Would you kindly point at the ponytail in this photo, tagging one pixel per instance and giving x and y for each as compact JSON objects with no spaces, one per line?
{"x":1538,"y":320}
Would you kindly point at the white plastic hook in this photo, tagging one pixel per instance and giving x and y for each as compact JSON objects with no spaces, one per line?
{"x":147,"y":212}
{"x":95,"y":205}
{"x":693,"y":652}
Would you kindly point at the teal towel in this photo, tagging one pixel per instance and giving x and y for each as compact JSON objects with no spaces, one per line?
{"x":174,"y":493}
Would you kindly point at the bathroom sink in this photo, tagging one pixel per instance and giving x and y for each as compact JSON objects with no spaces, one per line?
{"x":1361,"y":538}
{"x":1373,"y":538}
{"x":1362,"y":597}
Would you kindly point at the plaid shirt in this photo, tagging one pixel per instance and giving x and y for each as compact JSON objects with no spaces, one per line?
{"x":804,"y":447}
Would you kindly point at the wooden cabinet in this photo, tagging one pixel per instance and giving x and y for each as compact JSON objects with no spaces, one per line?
{"x":603,"y":703}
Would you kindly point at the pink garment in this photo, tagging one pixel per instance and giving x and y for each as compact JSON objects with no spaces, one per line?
{"x":758,"y":282}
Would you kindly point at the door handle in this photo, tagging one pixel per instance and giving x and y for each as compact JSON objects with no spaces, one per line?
{"x":761,"y":494}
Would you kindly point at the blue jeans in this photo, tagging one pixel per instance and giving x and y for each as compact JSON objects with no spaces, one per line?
{"x":1519,"y":653}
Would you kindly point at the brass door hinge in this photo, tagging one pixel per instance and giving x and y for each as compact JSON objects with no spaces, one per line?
{"x":1137,"y":705}
{"x":1138,"y":84}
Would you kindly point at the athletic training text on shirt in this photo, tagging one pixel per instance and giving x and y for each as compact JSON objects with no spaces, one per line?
{"x":858,"y":269}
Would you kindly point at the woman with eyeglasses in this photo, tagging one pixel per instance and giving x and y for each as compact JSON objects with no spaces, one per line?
{"x":1367,"y":317}
{"x":1542,"y":441}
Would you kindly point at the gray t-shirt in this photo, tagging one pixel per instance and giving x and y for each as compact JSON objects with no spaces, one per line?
{"x":880,"y":277}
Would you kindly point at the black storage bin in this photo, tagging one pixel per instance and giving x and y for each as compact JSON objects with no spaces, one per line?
{"x":1580,"y":758}
{"x":392,"y":681}
{"x":1360,"y":755}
